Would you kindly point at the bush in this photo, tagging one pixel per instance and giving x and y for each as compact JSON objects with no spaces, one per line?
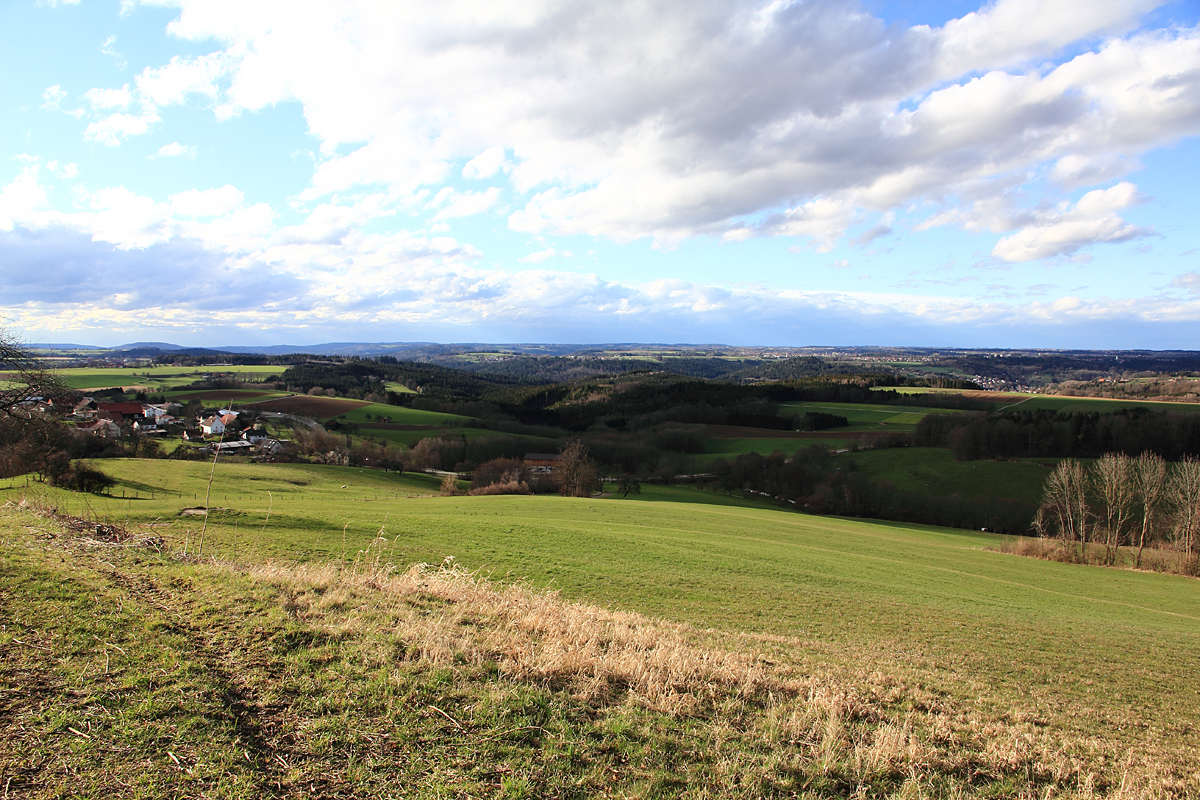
{"x":506,"y":487}
{"x":498,"y":471}
{"x":86,"y":478}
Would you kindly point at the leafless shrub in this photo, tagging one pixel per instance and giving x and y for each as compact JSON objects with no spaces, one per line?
{"x":505,"y":487}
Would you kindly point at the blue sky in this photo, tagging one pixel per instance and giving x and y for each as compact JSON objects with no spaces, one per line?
{"x":1015,"y":173}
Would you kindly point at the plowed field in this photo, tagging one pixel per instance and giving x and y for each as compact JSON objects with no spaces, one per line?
{"x":315,"y":407}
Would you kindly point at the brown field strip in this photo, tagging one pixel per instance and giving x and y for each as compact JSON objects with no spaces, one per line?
{"x":213,"y":394}
{"x":311,"y":406}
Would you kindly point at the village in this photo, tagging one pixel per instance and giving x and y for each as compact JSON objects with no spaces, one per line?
{"x":224,"y":430}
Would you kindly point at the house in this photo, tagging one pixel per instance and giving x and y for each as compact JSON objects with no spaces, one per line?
{"x":541,"y":462}
{"x":229,"y":447}
{"x":254,"y":435}
{"x":125,"y":410}
{"x":212,"y":426}
{"x":158,"y":410}
{"x":193,"y":435}
{"x":102,"y":427}
{"x":85,"y":408}
{"x":228,"y":418}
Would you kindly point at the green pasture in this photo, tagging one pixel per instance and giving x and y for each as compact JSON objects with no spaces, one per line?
{"x":400,"y":415}
{"x":1110,"y":652}
{"x":224,"y":397}
{"x":866,"y":417}
{"x":398,"y":388}
{"x":731,"y":448}
{"x":933,"y":471}
{"x":157,"y":378}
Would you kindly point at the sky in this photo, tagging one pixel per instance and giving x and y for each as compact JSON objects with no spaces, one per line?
{"x":1019,"y":173}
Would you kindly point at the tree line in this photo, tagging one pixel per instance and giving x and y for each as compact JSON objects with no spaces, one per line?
{"x":818,"y":482}
{"x":1047,"y":434}
{"x":1123,"y":501}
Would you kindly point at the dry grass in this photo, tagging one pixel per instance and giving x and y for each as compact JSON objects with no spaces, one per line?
{"x":1049,"y":549}
{"x":767,"y":716}
{"x":756,"y":719}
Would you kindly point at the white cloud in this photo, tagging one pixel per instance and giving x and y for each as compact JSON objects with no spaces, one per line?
{"x":1188,"y":280}
{"x":105,"y":99}
{"x":110,"y":130}
{"x":176,"y":150}
{"x":1008,"y":32}
{"x":109,"y":50}
{"x":452,"y":204}
{"x":52,"y":97}
{"x":207,"y":203}
{"x":539,"y":256}
{"x":486,"y":164}
{"x":172,"y":84}
{"x":1064,"y":231}
{"x":677,"y":119}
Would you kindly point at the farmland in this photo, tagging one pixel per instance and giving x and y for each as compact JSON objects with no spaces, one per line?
{"x":999,"y":640}
{"x":158,"y":378}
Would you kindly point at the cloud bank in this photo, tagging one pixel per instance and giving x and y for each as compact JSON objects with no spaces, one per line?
{"x":624,"y":121}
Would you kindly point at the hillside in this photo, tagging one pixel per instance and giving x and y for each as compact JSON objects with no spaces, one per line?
{"x":872,"y":655}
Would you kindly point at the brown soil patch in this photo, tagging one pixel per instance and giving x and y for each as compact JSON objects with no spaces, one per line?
{"x":315,"y":407}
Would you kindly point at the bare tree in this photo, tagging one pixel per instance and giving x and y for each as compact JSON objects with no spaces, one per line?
{"x":574,"y":473}
{"x":1183,"y":493}
{"x":1064,"y":510}
{"x":1114,"y":480}
{"x":1150,"y":473}
{"x":26,"y":377}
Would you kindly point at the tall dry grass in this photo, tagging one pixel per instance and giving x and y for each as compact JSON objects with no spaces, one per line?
{"x":757,"y":705}
{"x":767,"y":716}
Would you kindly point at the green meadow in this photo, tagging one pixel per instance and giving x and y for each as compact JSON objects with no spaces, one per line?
{"x":866,"y":417}
{"x":158,"y":378}
{"x":933,"y":471}
{"x":1100,"y":663}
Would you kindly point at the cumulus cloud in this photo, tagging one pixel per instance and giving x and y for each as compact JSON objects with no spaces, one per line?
{"x":451,"y":204}
{"x":539,"y":256}
{"x":112,"y":129}
{"x":628,"y":120}
{"x":176,"y":150}
{"x":486,"y":164}
{"x":207,"y":203}
{"x":1064,"y":231}
{"x":681,"y":119}
{"x":182,"y":77}
{"x":52,"y":97}
{"x":1188,"y":280}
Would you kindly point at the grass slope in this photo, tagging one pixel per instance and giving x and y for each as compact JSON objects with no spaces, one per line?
{"x":157,"y":378}
{"x":933,"y":471}
{"x":130,"y":672}
{"x":1090,"y":652}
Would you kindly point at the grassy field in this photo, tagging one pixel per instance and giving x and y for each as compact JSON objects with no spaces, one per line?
{"x":158,"y":378}
{"x":864,"y":417}
{"x":731,"y":448}
{"x":933,"y":471}
{"x":1100,"y":659}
